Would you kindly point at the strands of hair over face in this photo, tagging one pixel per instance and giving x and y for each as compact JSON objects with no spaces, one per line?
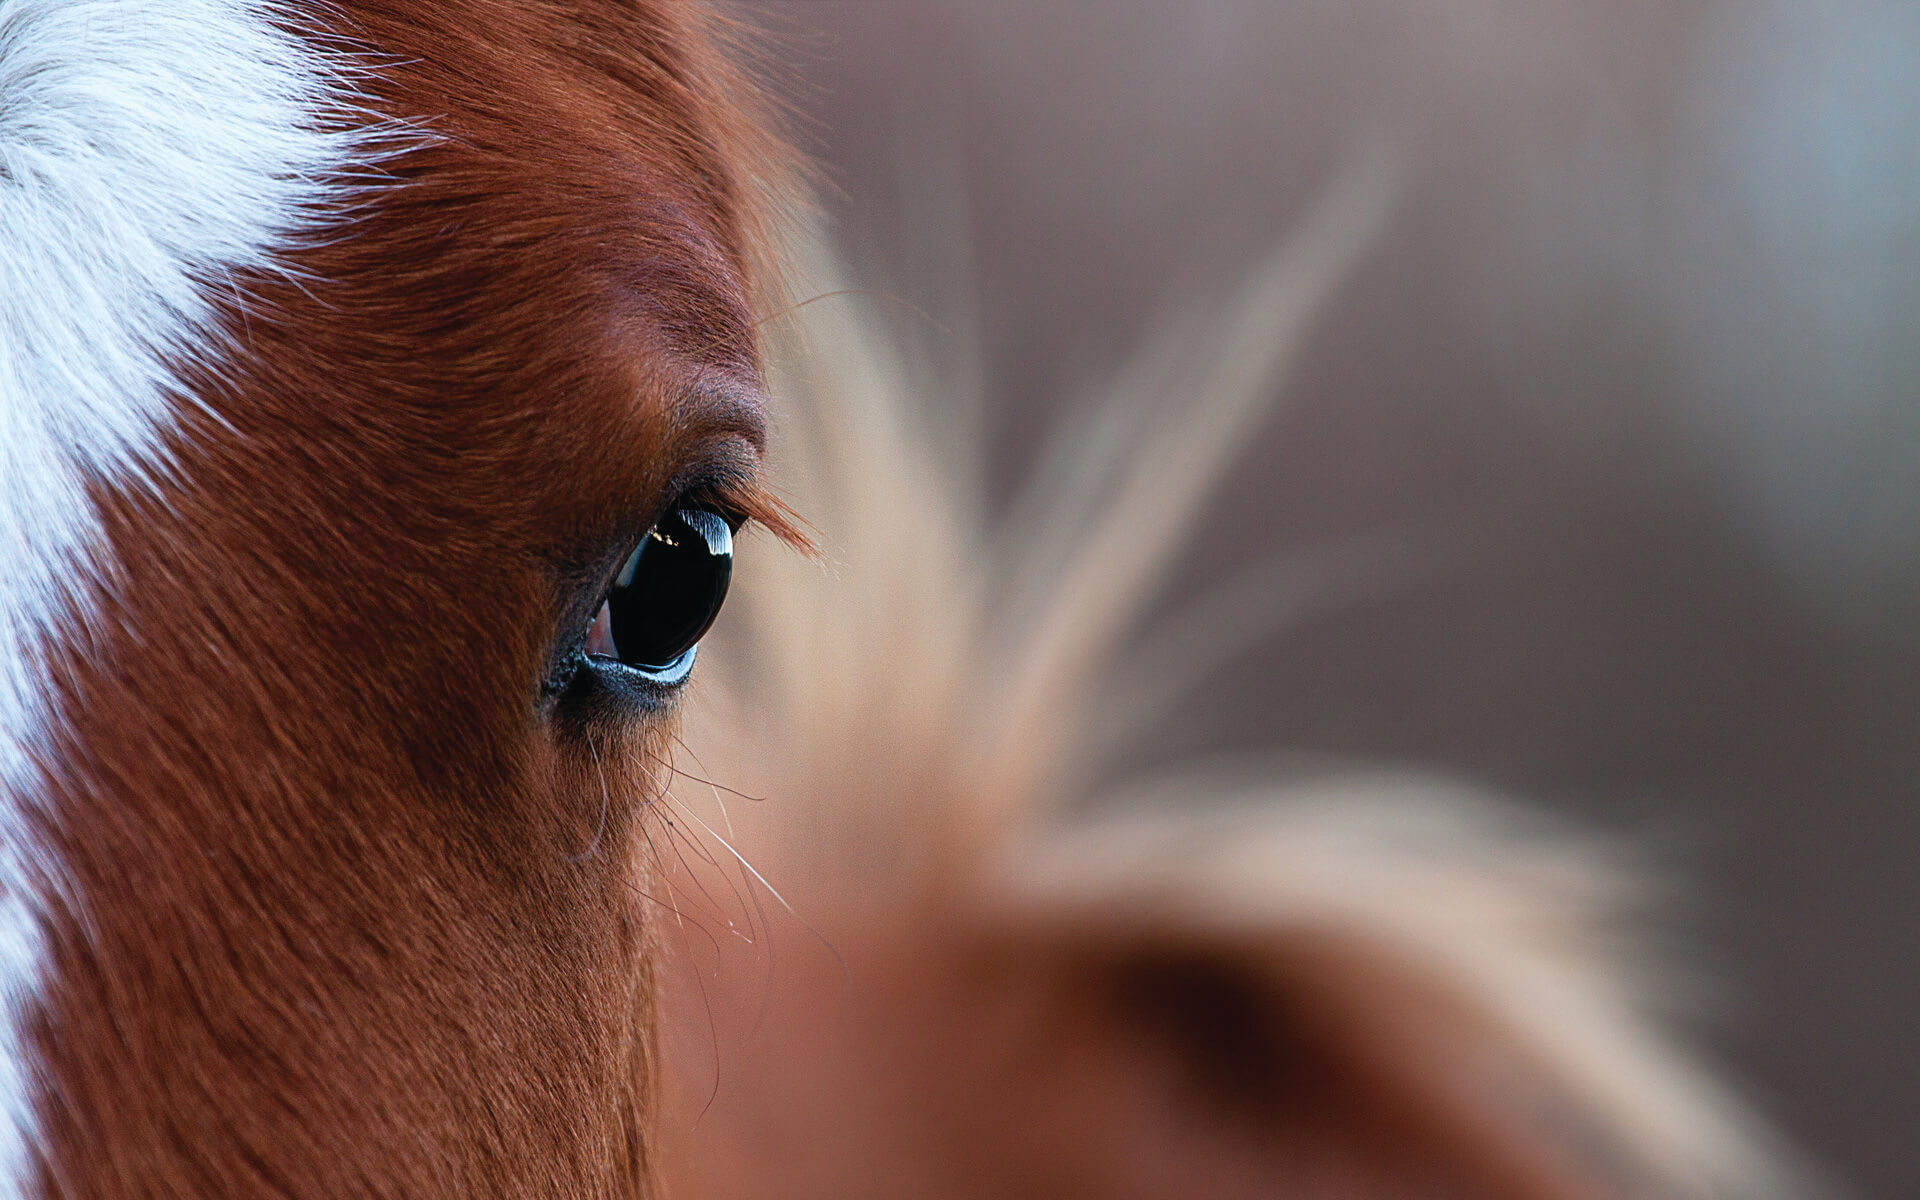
{"x":1224,"y":981}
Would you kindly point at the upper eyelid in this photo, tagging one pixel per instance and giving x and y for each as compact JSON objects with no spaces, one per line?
{"x":718,"y":410}
{"x":719,"y":481}
{"x":726,"y":478}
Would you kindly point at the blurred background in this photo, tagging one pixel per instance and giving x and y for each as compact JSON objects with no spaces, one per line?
{"x":1635,"y":366}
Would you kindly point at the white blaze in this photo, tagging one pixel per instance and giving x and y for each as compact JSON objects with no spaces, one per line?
{"x":150,"y":150}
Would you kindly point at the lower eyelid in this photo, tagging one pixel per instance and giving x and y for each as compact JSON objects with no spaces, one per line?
{"x":671,"y":675}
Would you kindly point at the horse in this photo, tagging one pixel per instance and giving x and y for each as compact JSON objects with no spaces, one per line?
{"x":381,"y":401}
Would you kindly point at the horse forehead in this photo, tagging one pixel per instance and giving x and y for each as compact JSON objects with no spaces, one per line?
{"x":572,"y":197}
{"x":591,"y":136}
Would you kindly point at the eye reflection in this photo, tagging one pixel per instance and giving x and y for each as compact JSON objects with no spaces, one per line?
{"x":666,"y":595}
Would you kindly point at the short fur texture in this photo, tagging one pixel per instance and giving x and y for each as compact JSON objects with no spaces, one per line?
{"x":149,"y":156}
{"x":319,"y":440}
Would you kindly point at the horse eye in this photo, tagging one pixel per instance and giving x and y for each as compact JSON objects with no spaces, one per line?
{"x":666,"y":595}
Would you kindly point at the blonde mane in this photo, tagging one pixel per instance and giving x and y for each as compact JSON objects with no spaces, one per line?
{"x":923,"y":721}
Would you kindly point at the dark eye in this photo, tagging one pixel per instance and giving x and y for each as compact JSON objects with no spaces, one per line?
{"x":666,"y":595}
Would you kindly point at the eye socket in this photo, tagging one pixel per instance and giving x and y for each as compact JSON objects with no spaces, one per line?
{"x":666,"y":595}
